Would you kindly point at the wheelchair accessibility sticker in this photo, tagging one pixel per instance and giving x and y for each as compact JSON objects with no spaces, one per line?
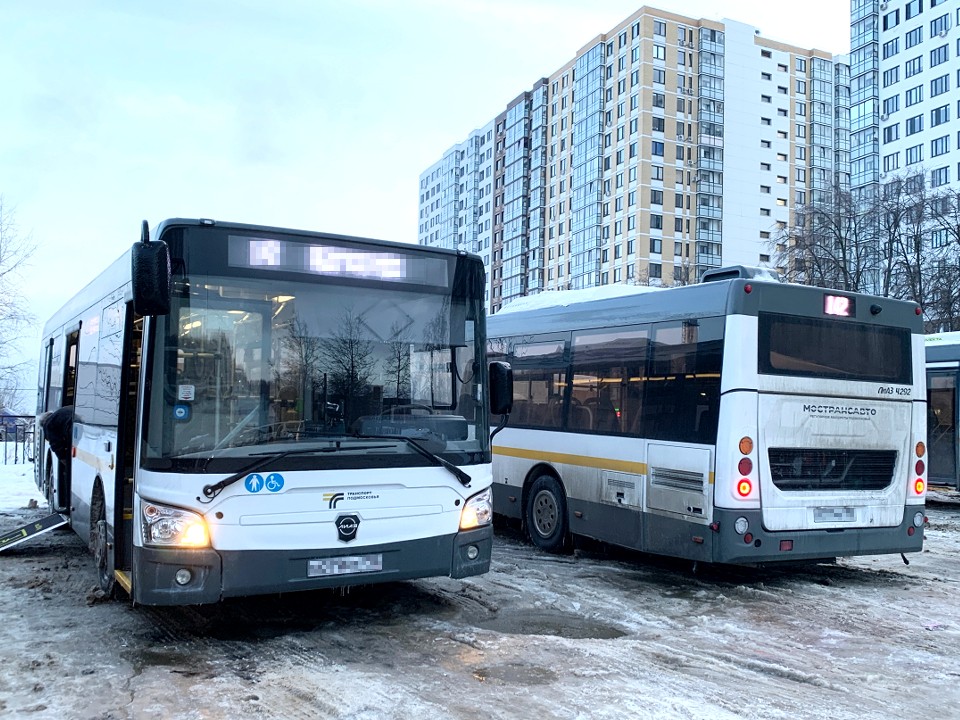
{"x":256,"y":482}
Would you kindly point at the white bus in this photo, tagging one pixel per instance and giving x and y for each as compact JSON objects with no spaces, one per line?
{"x":261,"y":410}
{"x":943,"y":373}
{"x":740,"y":420}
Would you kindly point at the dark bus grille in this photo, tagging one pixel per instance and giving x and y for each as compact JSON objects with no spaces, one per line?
{"x":806,"y":469}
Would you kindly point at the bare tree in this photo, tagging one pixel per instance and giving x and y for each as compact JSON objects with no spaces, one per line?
{"x":15,"y":251}
{"x":832,"y":244}
{"x":348,"y":357}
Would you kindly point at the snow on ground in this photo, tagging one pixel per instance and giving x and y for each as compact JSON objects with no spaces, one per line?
{"x":594,"y":635}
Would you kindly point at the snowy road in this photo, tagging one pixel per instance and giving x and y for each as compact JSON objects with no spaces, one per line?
{"x":591,"y":635}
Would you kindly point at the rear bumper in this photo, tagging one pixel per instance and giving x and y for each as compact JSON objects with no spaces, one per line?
{"x":766,"y":546}
{"x":217,"y":575}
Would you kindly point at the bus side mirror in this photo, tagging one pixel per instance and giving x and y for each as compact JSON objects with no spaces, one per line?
{"x":501,"y":388}
{"x":150,"y":272}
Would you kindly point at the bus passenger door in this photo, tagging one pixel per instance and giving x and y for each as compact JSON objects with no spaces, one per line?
{"x":126,"y":442}
{"x":61,"y":491}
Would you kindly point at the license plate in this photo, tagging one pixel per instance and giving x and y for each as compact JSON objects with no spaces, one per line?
{"x":834,"y":514}
{"x":346,"y":565}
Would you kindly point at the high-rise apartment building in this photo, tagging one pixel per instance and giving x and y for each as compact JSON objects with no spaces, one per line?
{"x":666,"y":147}
{"x":905,"y":72}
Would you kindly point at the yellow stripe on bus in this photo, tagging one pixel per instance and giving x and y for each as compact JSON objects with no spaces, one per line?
{"x":637,"y":468}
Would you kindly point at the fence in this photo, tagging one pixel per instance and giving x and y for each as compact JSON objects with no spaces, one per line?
{"x":16,"y":438}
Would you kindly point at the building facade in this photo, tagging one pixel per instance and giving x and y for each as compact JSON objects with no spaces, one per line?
{"x":907,"y":70}
{"x":668,"y":146}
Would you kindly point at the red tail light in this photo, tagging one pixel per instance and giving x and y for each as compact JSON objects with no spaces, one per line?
{"x":744,"y":487}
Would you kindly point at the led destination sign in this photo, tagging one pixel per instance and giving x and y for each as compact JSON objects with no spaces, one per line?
{"x":839,"y":305}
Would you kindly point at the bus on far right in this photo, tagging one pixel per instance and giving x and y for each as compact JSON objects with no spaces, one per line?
{"x":943,"y":373}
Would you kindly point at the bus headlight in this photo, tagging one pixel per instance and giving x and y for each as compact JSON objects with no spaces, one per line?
{"x":477,"y":511}
{"x":166,"y":526}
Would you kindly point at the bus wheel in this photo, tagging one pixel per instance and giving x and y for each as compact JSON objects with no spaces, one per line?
{"x":547,"y":514}
{"x":99,"y":543}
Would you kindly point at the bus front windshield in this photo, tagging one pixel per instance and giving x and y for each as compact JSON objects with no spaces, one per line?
{"x":242,"y":367}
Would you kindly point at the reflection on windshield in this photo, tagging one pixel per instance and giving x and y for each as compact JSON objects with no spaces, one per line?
{"x":236,"y":368}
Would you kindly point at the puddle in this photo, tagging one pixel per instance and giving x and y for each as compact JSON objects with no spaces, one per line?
{"x":516,"y":673}
{"x":550,"y":622}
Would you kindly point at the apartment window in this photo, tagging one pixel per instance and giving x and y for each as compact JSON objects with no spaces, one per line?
{"x":891,"y":133}
{"x":656,"y":197}
{"x":659,"y":52}
{"x":765,"y":121}
{"x":782,"y":202}
{"x":765,"y":212}
{"x":781,"y":67}
{"x":939,"y":176}
{"x":658,"y":124}
{"x":891,"y":20}
{"x":765,"y":188}
{"x":657,"y":147}
{"x":656,"y":223}
{"x":801,"y":175}
{"x":766,"y":76}
{"x":801,"y":65}
{"x":764,"y":166}
{"x":659,"y":28}
{"x":782,"y":157}
{"x":659,"y":100}
{"x":766,"y":98}
{"x":766,"y":53}
{"x":656,"y":270}
{"x":940,"y":146}
{"x":781,"y":89}
{"x":782,"y":179}
{"x":914,"y":37}
{"x":764,"y":143}
{"x":679,"y":152}
{"x":782,"y":134}
{"x":939,"y":55}
{"x":940,"y":25}
{"x":914,"y":8}
{"x":677,"y":227}
{"x":801,"y":87}
{"x":659,"y":76}
{"x":891,"y":162}
{"x":891,"y":76}
{"x":912,"y":67}
{"x":891,"y":48}
{"x":913,"y":95}
{"x":939,"y":115}
{"x":801,"y":109}
{"x":891,"y":105}
{"x":656,"y":172}
{"x":764,"y":235}
{"x":939,"y":238}
{"x":939,"y":85}
{"x":914,"y":124}
{"x":914,"y":154}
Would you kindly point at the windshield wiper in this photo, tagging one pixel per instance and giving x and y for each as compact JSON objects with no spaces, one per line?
{"x":214,"y":489}
{"x":459,"y":474}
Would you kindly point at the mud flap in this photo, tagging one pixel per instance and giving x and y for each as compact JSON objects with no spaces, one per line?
{"x":31,"y":529}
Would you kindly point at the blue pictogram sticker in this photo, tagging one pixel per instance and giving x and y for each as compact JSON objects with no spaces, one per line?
{"x":274,"y":482}
{"x":254,"y":483}
{"x":181,"y":412}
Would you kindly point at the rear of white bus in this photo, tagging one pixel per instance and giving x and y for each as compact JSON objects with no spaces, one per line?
{"x":821,"y":441}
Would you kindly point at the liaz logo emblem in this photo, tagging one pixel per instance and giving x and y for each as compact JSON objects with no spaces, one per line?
{"x":347,"y":527}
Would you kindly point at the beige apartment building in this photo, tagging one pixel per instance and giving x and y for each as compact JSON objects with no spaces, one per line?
{"x":666,"y":147}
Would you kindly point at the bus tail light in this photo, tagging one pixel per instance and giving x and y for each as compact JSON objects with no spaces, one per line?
{"x":920,"y":480}
{"x":745,"y":486}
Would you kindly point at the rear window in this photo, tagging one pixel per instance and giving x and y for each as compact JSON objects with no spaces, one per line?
{"x":837,"y":349}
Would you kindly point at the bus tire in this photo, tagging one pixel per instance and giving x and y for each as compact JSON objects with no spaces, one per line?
{"x":99,"y":542}
{"x":546,"y":514}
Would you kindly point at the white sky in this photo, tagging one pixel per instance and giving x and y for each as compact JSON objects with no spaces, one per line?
{"x":300,"y":113}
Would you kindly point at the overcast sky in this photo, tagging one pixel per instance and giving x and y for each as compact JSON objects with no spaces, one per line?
{"x":298,"y":113}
